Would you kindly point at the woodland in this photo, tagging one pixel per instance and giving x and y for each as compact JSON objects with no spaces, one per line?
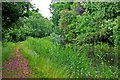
{"x":80,"y":40}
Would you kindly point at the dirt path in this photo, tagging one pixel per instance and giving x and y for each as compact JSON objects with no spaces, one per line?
{"x":16,"y":66}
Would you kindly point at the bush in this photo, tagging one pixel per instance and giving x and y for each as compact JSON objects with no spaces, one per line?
{"x":35,"y":26}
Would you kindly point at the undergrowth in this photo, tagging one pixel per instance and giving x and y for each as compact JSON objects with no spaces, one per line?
{"x":49,"y":60}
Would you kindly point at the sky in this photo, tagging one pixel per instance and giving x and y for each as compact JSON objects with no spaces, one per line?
{"x":43,"y":6}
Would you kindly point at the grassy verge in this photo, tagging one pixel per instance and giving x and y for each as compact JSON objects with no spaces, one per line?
{"x":47,"y":60}
{"x":52,"y":61}
{"x":41,"y":66}
{"x":7,"y":49}
{"x":0,"y":52}
{"x":0,"y":59}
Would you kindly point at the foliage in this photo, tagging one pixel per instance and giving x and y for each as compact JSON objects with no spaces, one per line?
{"x":78,"y":46}
{"x":116,"y":32}
{"x":94,"y":26}
{"x":36,"y":26}
{"x":66,"y":17}
{"x":57,"y":39}
{"x":77,"y":64}
{"x":55,"y":10}
{"x":41,"y":26}
{"x":12,"y":11}
{"x":94,"y":33}
{"x":15,"y":34}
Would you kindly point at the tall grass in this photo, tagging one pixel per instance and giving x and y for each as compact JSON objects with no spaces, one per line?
{"x":47,"y":60}
{"x":51,"y":60}
{"x":41,"y":66}
{"x":0,"y":58}
{"x":7,"y":49}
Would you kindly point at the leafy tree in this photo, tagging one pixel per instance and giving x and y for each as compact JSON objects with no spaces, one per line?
{"x":56,"y":8}
{"x":20,"y":20}
{"x":41,"y":26}
{"x":12,"y":11}
{"x":97,"y":28}
{"x":94,"y":26}
{"x":35,"y":26}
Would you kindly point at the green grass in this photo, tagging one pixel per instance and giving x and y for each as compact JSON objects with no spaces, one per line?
{"x":0,"y":58}
{"x":47,"y":60}
{"x":7,"y":49}
{"x":0,"y":52}
{"x":41,"y":66}
{"x":67,"y":63}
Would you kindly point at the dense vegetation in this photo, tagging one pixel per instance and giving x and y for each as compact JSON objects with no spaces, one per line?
{"x":26,"y":24}
{"x":81,"y":39}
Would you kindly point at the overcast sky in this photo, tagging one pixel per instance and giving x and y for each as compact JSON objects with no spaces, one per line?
{"x":43,"y":6}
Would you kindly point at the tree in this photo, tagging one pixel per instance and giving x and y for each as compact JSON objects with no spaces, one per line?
{"x":55,"y":10}
{"x":12,"y":11}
